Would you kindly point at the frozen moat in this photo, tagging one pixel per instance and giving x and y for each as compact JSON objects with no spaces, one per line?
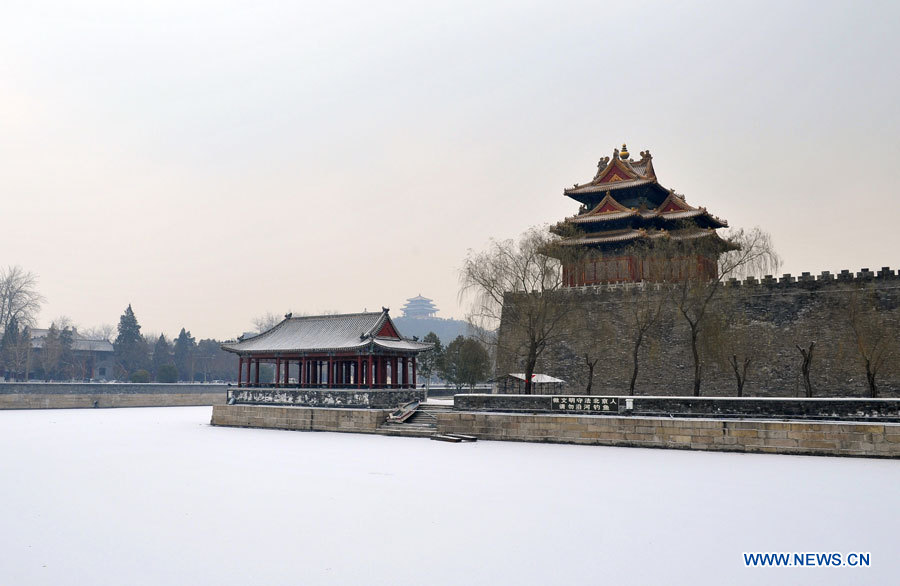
{"x":157,"y":496}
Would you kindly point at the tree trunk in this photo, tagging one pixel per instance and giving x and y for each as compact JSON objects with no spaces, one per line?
{"x":530,"y":361}
{"x":870,"y":378}
{"x":804,"y":367}
{"x":737,"y":375}
{"x":634,"y":357}
{"x":590,"y":365}
{"x":696,"y":354}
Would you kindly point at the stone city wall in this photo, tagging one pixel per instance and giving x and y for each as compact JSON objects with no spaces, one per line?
{"x":374,"y":399}
{"x":715,"y":407}
{"x":780,"y":314}
{"x":880,"y":440}
{"x":299,"y":418}
{"x":87,"y":395}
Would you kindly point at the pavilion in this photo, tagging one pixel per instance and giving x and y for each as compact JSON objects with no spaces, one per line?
{"x":343,"y":351}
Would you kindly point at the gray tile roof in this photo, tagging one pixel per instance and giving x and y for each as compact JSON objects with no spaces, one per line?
{"x":325,"y":333}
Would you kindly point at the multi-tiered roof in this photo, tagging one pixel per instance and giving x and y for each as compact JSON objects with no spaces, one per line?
{"x":419,"y":306}
{"x":624,"y":204}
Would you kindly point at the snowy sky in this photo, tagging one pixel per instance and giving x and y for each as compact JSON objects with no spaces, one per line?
{"x":210,"y":161}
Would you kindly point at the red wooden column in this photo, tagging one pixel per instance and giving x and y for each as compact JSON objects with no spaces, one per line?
{"x":414,"y":371}
{"x":369,"y":373}
{"x":247,"y":376}
{"x":277,"y":372}
{"x":330,"y":379}
{"x":256,"y":373}
{"x":287,"y":372}
{"x":405,"y":380}
{"x":302,"y":370}
{"x":240,"y":369}
{"x":358,"y":380}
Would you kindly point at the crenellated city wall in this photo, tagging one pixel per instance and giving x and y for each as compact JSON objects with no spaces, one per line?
{"x":784,"y":312}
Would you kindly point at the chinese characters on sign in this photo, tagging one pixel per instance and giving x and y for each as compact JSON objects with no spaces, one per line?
{"x":589,"y":404}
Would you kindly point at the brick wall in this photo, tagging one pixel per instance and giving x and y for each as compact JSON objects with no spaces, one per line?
{"x":788,"y":311}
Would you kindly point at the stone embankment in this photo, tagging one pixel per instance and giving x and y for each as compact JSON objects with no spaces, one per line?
{"x":32,"y":395}
{"x":860,"y":428}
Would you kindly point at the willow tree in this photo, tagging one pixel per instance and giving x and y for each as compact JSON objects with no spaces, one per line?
{"x":515,"y":285}
{"x":746,"y":253}
{"x":874,"y":331}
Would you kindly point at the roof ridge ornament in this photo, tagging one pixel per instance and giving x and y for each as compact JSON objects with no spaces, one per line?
{"x":601,"y":165}
{"x":624,"y":154}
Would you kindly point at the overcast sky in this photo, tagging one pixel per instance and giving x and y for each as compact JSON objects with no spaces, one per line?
{"x":211,"y":161}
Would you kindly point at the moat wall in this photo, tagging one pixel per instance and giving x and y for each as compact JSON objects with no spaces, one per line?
{"x":33,"y":395}
{"x":779,"y":313}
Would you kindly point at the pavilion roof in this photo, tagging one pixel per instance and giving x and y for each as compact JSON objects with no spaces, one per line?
{"x":328,"y":333}
{"x":674,"y":207}
{"x":617,"y":173}
{"x":631,"y":234}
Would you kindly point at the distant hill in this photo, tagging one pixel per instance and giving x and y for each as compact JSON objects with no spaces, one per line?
{"x":446,"y":329}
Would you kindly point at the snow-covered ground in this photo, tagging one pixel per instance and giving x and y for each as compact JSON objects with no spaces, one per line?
{"x":157,"y":496}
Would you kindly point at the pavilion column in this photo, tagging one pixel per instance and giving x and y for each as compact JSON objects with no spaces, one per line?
{"x":330,"y":380}
{"x":405,"y":379}
{"x":358,"y":380}
{"x":249,"y":364}
{"x":240,"y":369}
{"x":300,"y":371}
{"x":414,"y":371}
{"x":287,"y":372}
{"x":277,"y":372}
{"x":256,"y":373}
{"x":369,"y":373}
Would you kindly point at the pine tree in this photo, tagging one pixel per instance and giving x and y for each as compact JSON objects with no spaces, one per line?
{"x":429,"y":362}
{"x":184,"y":355}
{"x":50,"y":353}
{"x":130,"y":346}
{"x":8,"y":343}
{"x":162,"y":355}
{"x":66,"y":367}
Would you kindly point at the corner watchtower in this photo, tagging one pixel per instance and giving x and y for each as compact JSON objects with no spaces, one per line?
{"x":624,"y":205}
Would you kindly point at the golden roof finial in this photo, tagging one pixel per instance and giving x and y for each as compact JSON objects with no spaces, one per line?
{"x":624,"y":152}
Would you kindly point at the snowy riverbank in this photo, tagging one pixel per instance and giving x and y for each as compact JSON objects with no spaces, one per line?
{"x":157,"y":496}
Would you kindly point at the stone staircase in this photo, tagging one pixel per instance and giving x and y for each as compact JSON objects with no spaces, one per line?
{"x":422,"y":424}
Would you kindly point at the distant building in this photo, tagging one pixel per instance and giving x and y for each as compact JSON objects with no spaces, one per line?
{"x":92,"y":359}
{"x":419,"y":307}
{"x":356,"y":350}
{"x":514,"y":383}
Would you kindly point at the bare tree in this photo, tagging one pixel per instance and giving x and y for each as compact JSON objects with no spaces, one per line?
{"x":805,"y":364}
{"x":19,"y":299}
{"x":644,"y":308}
{"x":593,"y":337}
{"x":748,"y":253}
{"x":874,"y":332}
{"x":266,"y":322}
{"x":101,"y":332}
{"x":515,"y":285}
{"x":734,"y":341}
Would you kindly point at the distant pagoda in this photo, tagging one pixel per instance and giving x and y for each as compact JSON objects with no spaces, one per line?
{"x":419,"y":306}
{"x":624,"y":205}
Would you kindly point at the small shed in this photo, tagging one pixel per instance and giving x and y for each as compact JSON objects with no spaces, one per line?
{"x":514,"y":384}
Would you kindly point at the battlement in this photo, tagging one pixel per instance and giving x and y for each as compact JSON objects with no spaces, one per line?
{"x":804,"y":281}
